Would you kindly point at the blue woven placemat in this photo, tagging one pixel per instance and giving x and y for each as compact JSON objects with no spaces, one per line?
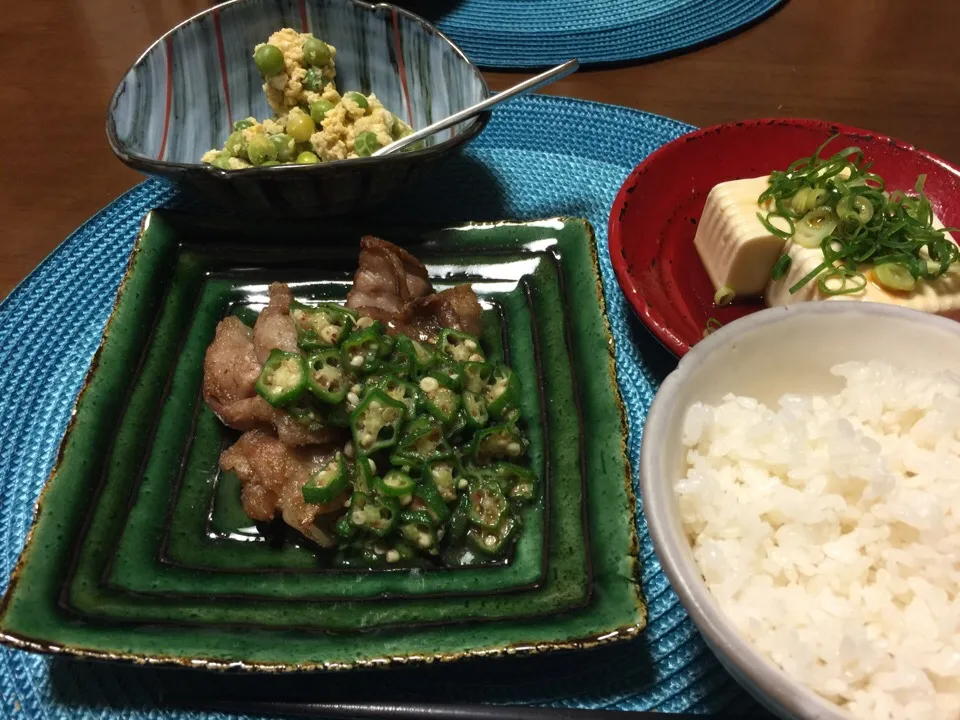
{"x":534,"y":33}
{"x":50,"y":327}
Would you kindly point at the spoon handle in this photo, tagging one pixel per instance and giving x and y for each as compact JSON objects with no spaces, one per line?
{"x":534,"y":83}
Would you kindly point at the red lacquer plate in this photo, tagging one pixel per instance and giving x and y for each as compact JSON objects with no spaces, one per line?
{"x":655,"y":215}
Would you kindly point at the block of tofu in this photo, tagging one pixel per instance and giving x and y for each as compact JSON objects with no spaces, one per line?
{"x":940,"y":296}
{"x":736,"y":249}
{"x":738,"y":252}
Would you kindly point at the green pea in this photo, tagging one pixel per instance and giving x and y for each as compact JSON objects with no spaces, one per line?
{"x":236,"y":145}
{"x":307,"y":158}
{"x":359,"y":98}
{"x":314,"y":80}
{"x":244,"y":124}
{"x":315,"y":52}
{"x":222,"y":162}
{"x":300,"y":126}
{"x":269,"y":163}
{"x":400,"y":129}
{"x":285,"y":145}
{"x":269,"y":60}
{"x":260,"y":149}
{"x":366,"y":144}
{"x":319,"y":110}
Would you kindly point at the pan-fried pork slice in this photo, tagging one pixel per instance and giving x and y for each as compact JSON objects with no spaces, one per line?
{"x":230,"y":367}
{"x":424,"y":318}
{"x":273,"y":475}
{"x":255,"y":412}
{"x":230,"y":372}
{"x":387,"y":278}
{"x":456,"y":308}
{"x":391,"y":285}
{"x":275,"y":328}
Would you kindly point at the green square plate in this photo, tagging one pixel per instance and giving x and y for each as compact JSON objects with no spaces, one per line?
{"x":119,"y":561}
{"x":130,"y":502}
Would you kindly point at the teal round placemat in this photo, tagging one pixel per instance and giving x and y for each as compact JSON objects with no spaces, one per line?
{"x":50,"y":326}
{"x":534,"y":33}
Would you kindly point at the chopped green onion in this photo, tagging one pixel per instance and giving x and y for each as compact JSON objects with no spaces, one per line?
{"x":814,"y":227}
{"x":850,"y":281}
{"x":773,"y":229}
{"x":895,"y":276}
{"x":724,"y":296}
{"x":846,"y":210}
{"x":809,"y":276}
{"x":807,"y":199}
{"x":856,"y":206}
{"x":780,"y":268}
{"x":712,"y":326}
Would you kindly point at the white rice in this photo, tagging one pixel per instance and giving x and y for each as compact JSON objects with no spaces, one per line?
{"x":828,"y":528}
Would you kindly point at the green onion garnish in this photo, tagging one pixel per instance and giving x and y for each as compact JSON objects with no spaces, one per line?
{"x":841,"y":281}
{"x":773,"y":229}
{"x":712,"y":326}
{"x":838,"y":204}
{"x":724,"y":296}
{"x":781,"y":267}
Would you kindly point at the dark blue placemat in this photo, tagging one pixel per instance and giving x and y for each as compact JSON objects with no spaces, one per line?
{"x":50,"y":327}
{"x":534,"y":33}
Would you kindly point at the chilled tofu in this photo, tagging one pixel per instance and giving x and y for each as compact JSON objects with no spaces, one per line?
{"x":736,"y":249}
{"x":940,"y":296}
{"x":738,"y":252}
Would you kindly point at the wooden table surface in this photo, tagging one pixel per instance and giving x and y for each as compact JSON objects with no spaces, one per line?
{"x":887,"y":65}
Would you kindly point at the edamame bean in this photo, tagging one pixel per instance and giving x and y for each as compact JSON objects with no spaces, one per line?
{"x":314,"y":80}
{"x":260,"y":149}
{"x":286,"y":146}
{"x":269,"y":60}
{"x":315,"y":52}
{"x":300,"y":126}
{"x":319,"y":110}
{"x":236,"y":144}
{"x":358,"y":98}
{"x":366,"y":144}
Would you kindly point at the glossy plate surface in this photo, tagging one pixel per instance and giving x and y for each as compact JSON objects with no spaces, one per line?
{"x":140,"y":549}
{"x":655,"y":215}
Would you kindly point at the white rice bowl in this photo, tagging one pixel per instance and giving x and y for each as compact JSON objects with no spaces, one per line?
{"x":828,"y":530}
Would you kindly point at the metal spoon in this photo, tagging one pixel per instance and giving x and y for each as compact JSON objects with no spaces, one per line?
{"x":534,"y":83}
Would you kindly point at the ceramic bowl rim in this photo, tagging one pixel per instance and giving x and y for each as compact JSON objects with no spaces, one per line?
{"x":618,"y":236}
{"x":659,"y":508}
{"x":156,"y":166}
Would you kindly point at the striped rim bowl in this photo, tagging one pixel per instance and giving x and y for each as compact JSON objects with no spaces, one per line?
{"x":180,"y":98}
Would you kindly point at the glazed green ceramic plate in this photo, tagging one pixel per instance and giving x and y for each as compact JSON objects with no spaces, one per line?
{"x":141,"y":549}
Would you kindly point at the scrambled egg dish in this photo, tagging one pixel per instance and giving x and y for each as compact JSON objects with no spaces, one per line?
{"x":314,"y":122}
